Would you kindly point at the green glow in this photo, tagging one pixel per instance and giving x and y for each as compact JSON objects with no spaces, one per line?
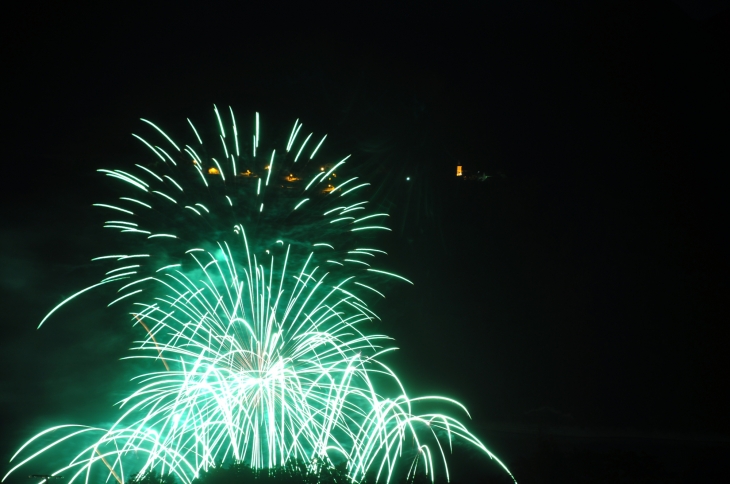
{"x":352,"y":209}
{"x":333,"y":210}
{"x":295,"y":134}
{"x":129,"y":175}
{"x":118,"y":277}
{"x":314,"y":179}
{"x":340,"y":163}
{"x":390,"y":274}
{"x":168,"y":267}
{"x":343,"y":184}
{"x":235,"y":135}
{"x":220,"y":123}
{"x":124,"y":178}
{"x":162,"y":235}
{"x":354,"y":188}
{"x":164,"y":195}
{"x":371,"y":216}
{"x":113,"y":208}
{"x":163,"y":133}
{"x":166,"y":155}
{"x":263,"y":351}
{"x":294,"y":130}
{"x":220,"y":170}
{"x":149,"y":146}
{"x":134,"y":283}
{"x":173,"y":182}
{"x":122,"y":269}
{"x":120,"y":222}
{"x":341,"y":218}
{"x":360,"y":252}
{"x":317,"y":148}
{"x":371,"y":227}
{"x":200,"y":172}
{"x":372,"y":289}
{"x":225,"y":148}
{"x":189,"y":149}
{"x":50,"y":313}
{"x":114,"y":226}
{"x":148,"y":171}
{"x":135,"y":201}
{"x":302,"y":147}
{"x":374,"y":250}
{"x":124,"y":297}
{"x":195,"y":131}
{"x":271,"y":167}
{"x":103,"y":257}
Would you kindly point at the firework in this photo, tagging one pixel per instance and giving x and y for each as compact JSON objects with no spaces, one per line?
{"x":250,"y":279}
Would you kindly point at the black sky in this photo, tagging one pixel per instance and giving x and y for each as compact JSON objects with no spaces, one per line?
{"x":581,"y":290}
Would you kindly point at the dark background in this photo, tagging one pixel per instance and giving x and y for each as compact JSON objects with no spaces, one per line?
{"x":575,"y":301}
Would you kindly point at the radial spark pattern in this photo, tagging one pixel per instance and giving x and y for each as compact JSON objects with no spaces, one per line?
{"x":249,"y":273}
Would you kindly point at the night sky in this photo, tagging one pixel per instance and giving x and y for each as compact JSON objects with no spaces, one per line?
{"x":575,"y":301}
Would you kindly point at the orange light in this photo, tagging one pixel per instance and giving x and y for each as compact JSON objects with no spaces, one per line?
{"x":458,"y":170}
{"x":213,"y":171}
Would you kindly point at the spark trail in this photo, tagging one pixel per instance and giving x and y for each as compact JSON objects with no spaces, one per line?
{"x":248,"y":271}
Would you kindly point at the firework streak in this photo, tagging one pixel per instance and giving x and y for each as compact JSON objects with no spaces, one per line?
{"x":248,"y":278}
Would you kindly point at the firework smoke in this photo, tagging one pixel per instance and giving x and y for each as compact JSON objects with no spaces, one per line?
{"x":249,"y":273}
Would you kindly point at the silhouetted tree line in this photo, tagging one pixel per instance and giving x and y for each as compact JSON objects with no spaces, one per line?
{"x":295,"y":471}
{"x":548,"y":463}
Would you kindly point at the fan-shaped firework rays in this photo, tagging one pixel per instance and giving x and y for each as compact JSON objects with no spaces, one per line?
{"x":262,"y":352}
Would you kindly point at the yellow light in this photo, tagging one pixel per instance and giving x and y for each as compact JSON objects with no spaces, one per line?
{"x":458,"y":170}
{"x":321,"y":169}
{"x":213,"y":171}
{"x":195,"y":162}
{"x":266,"y":167}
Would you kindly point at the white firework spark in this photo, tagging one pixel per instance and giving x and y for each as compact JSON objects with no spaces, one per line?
{"x":250,"y":277}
